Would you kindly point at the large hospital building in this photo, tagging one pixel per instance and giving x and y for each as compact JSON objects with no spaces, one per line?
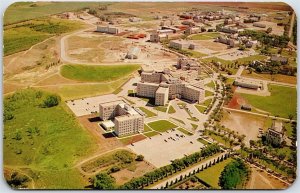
{"x":126,"y":120}
{"x":163,"y":87}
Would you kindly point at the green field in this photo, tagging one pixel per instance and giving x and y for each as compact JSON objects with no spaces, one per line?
{"x":147,"y":112}
{"x":211,"y":84}
{"x":69,"y":92}
{"x":207,"y":102}
{"x":213,"y":180}
{"x":22,"y":11}
{"x":205,"y":36}
{"x":94,"y":73}
{"x":45,"y":142}
{"x":195,"y":54}
{"x":208,"y":93}
{"x":282,"y":102}
{"x":201,"y":109}
{"x":151,"y":134}
{"x":162,"y":125}
{"x":184,"y":131}
{"x":22,"y":36}
{"x":147,"y":128}
{"x":161,"y":108}
{"x":171,"y":110}
{"x":204,"y":142}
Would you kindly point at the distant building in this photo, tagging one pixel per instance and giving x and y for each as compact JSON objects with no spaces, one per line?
{"x":230,"y":42}
{"x":126,"y":120}
{"x":231,"y":30}
{"x":187,"y":64}
{"x":260,"y":25}
{"x":163,"y":86}
{"x":282,"y":60}
{"x":192,"y":30}
{"x":247,"y":83}
{"x":107,"y":29}
{"x":275,"y":134}
{"x":181,"y":44}
{"x":157,"y":37}
{"x":135,"y":19}
{"x":133,"y":53}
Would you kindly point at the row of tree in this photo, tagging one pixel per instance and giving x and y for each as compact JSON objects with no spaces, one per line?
{"x":175,"y":166}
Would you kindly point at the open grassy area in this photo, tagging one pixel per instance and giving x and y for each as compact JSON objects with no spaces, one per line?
{"x":282,"y":102}
{"x":207,"y":102}
{"x":21,"y":11}
{"x":69,"y":92}
{"x":46,"y":142}
{"x":205,"y":36}
{"x":213,"y":180}
{"x":194,"y":126}
{"x":22,"y":36}
{"x":162,"y":125}
{"x":184,"y":131}
{"x":97,"y":73}
{"x":147,"y":112}
{"x":201,"y":109}
{"x":273,"y":77}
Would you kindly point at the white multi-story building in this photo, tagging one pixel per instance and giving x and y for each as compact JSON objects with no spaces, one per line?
{"x":126,"y":119}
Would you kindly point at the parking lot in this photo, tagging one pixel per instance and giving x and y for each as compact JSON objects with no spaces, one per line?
{"x":86,"y":106}
{"x":161,"y":149}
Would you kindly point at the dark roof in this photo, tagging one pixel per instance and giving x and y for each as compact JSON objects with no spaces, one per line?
{"x":279,"y":59}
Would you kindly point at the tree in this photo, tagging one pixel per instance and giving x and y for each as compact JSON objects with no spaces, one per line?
{"x":51,"y":101}
{"x":17,"y":181}
{"x":269,"y":30}
{"x":139,"y":158}
{"x":103,"y":181}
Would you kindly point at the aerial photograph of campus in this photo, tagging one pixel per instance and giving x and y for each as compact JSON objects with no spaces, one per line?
{"x":149,"y":95}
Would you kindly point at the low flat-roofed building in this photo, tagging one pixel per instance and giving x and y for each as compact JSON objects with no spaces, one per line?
{"x":247,"y":83}
{"x":282,"y":60}
{"x":107,"y":29}
{"x":260,"y":25}
{"x":108,"y":125}
{"x":187,"y":64}
{"x":181,"y":44}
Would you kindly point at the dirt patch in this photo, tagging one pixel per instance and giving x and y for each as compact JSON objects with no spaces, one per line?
{"x":125,"y":175}
{"x":262,"y":180}
{"x":236,"y":102}
{"x":55,"y":79}
{"x":133,"y":139}
{"x":244,"y":124}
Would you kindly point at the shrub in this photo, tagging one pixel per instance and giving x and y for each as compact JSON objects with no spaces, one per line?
{"x":139,"y":158}
{"x":51,"y":101}
{"x":114,"y":169}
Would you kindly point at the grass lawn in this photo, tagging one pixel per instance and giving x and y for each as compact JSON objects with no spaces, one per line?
{"x":171,"y":110}
{"x":205,"y":36}
{"x":22,"y":36}
{"x":161,"y":108}
{"x":147,"y":112}
{"x":147,"y":128}
{"x":275,"y":77}
{"x":21,"y":11}
{"x":184,"y":131}
{"x":282,"y":102}
{"x":106,"y":161}
{"x":210,"y":84}
{"x":213,"y":180}
{"x":151,"y":134}
{"x":204,"y":142}
{"x":201,"y":109}
{"x":180,"y":121}
{"x":194,"y":126}
{"x":69,"y":92}
{"x":46,"y":142}
{"x":208,"y":93}
{"x":207,"y":102}
{"x":93,"y":73}
{"x":195,"y":54}
{"x":162,"y":125}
